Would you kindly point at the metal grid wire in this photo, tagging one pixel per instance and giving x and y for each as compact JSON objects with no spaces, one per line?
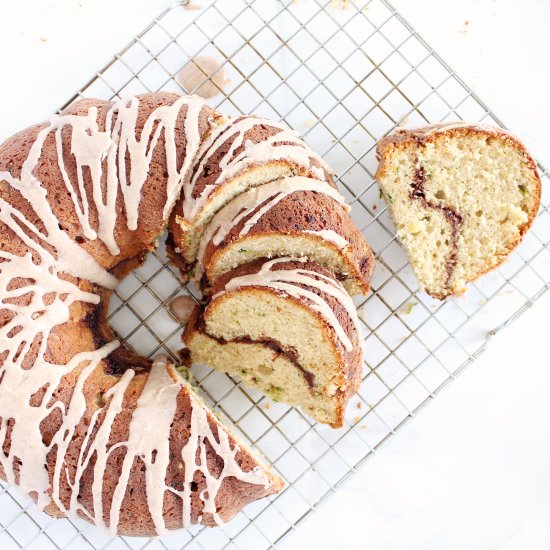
{"x":343,"y":74}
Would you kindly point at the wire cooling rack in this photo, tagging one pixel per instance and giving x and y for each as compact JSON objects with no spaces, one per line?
{"x":343,"y":74}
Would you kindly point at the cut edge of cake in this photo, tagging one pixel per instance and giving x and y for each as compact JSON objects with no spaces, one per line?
{"x":240,"y":153}
{"x":182,"y":375}
{"x":452,"y":231}
{"x":286,"y":328}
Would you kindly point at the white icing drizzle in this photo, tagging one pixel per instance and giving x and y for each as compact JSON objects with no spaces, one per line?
{"x":149,"y":428}
{"x":123,"y":132}
{"x":201,"y":431}
{"x":149,"y":440}
{"x":330,"y":235}
{"x":71,"y":258}
{"x":287,"y":281}
{"x":247,"y":203}
{"x":45,"y":303}
{"x":270,"y":149}
{"x":33,"y":323}
{"x":105,"y":154}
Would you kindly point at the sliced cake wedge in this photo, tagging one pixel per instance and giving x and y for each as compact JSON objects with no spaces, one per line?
{"x":241,"y":153}
{"x":295,"y":216}
{"x":461,"y":197}
{"x":286,"y":328}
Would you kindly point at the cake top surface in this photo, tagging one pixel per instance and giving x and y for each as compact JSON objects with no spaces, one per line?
{"x":238,"y":144}
{"x":50,"y":283}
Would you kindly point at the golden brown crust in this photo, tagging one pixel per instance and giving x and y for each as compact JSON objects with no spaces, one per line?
{"x":296,"y":214}
{"x":411,"y":138}
{"x":348,"y":369}
{"x":88,"y":330}
{"x":222,"y":167}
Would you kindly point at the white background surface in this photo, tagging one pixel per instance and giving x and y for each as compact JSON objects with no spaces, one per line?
{"x":472,"y":471}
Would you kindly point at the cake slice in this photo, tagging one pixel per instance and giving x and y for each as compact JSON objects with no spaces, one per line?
{"x":239,"y":154}
{"x":461,"y":197}
{"x":229,"y":474}
{"x":286,"y":328}
{"x":295,"y":216}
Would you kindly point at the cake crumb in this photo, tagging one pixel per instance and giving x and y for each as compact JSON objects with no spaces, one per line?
{"x":310,"y":122}
{"x":359,"y":404}
{"x":267,"y":405}
{"x":463,"y":31}
{"x":43,"y":39}
{"x":356,"y":419}
{"x":408,"y":308}
{"x":361,"y":314}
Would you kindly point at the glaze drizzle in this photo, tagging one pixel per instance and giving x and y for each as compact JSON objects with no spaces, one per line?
{"x":256,"y":202}
{"x":36,"y":308}
{"x":284,"y":144}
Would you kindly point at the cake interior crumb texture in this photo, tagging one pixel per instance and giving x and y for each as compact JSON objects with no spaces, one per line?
{"x":234,"y":337}
{"x":252,"y":177}
{"x":461,"y":199}
{"x":275,"y":245}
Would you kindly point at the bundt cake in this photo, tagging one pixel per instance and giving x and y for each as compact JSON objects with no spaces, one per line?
{"x":89,"y":429}
{"x":461,"y":196}
{"x":295,"y":216}
{"x":285,"y":327}
{"x":240,"y":153}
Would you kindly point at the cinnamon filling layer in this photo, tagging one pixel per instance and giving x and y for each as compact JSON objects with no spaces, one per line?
{"x":453,"y":217}
{"x":272,"y":344}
